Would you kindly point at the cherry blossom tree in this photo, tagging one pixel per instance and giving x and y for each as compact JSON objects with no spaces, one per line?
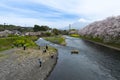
{"x":108,"y":30}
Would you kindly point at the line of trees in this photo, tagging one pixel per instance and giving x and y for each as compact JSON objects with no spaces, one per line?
{"x":14,"y":27}
{"x":108,"y":30}
{"x":36,"y":28}
{"x":40,"y":28}
{"x":8,"y":27}
{"x":54,"y":31}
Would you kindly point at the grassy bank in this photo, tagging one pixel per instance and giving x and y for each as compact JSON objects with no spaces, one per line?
{"x":75,"y":35}
{"x":98,"y":40}
{"x":56,"y":39}
{"x":24,"y":64}
{"x":34,"y":52}
{"x":3,"y":56}
{"x":18,"y":41}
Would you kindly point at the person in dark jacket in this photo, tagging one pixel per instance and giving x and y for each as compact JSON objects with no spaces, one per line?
{"x":24,"y":47}
{"x":40,"y":62}
{"x":47,"y":47}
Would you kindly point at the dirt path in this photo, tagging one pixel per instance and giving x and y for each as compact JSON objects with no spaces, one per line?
{"x":23,"y":65}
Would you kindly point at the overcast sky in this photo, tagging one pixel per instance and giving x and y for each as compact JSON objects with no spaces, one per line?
{"x":56,"y":13}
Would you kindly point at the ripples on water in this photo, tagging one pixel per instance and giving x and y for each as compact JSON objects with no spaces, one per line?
{"x":94,"y":62}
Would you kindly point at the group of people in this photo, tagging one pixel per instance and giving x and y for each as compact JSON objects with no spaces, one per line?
{"x":44,"y":50}
{"x":40,"y":62}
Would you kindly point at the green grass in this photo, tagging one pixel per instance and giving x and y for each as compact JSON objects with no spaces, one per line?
{"x":75,"y":35}
{"x":3,"y":56}
{"x":56,"y":39}
{"x":52,"y":49}
{"x":112,"y":44}
{"x":96,"y":39}
{"x":5,"y":43}
{"x":9,"y":42}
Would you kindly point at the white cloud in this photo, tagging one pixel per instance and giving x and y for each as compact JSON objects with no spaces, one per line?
{"x":30,"y":22}
{"x":100,"y":8}
{"x":78,"y":5}
{"x":83,"y":20}
{"x":91,"y":10}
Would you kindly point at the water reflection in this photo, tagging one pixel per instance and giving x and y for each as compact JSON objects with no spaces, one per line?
{"x":92,"y":63}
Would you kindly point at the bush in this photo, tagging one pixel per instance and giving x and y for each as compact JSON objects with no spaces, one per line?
{"x":9,"y":42}
{"x":57,"y":40}
{"x":75,"y":35}
{"x":28,"y":41}
{"x":48,"y":34}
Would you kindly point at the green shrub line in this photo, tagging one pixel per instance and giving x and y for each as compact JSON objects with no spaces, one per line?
{"x":17,"y":41}
{"x":74,"y":35}
{"x":96,"y":39}
{"x":56,"y":39}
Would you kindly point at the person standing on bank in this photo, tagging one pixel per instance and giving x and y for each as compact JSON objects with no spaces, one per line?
{"x":40,"y":62}
{"x":24,"y":47}
{"x":47,"y":47}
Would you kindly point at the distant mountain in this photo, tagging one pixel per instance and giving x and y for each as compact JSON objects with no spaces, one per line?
{"x":108,"y":30}
{"x":14,"y":27}
{"x":77,"y":25}
{"x":8,"y":27}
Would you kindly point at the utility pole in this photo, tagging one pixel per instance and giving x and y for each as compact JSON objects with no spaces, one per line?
{"x":69,"y":27}
{"x":4,"y":25}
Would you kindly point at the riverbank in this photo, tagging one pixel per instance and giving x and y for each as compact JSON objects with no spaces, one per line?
{"x":17,"y":41}
{"x":23,"y":64}
{"x":97,"y":41}
{"x":56,"y":39}
{"x":102,"y":44}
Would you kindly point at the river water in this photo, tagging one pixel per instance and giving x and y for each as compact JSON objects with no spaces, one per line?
{"x":93,"y":62}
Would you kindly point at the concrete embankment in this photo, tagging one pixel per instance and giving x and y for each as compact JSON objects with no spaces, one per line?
{"x":118,"y":49}
{"x":24,"y":65}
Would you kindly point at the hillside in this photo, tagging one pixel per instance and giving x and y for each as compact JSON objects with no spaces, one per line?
{"x":108,"y":30}
{"x":14,"y":27}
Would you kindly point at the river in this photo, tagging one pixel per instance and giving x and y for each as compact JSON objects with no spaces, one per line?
{"x":94,"y":62}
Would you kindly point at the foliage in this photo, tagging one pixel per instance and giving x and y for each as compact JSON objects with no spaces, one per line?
{"x":72,"y":29}
{"x":12,"y":35}
{"x":14,"y":27}
{"x":40,"y":28}
{"x":8,"y":27}
{"x":75,"y":35}
{"x":97,"y":39}
{"x":58,"y":32}
{"x":56,"y":39}
{"x":9,"y":42}
{"x":106,"y":31}
{"x":55,"y":31}
{"x":3,"y":56}
{"x":48,"y":34}
{"x":25,"y":29}
{"x":27,"y":41}
{"x":64,"y":32}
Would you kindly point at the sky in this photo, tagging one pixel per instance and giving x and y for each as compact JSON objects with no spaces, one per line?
{"x":56,"y":13}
